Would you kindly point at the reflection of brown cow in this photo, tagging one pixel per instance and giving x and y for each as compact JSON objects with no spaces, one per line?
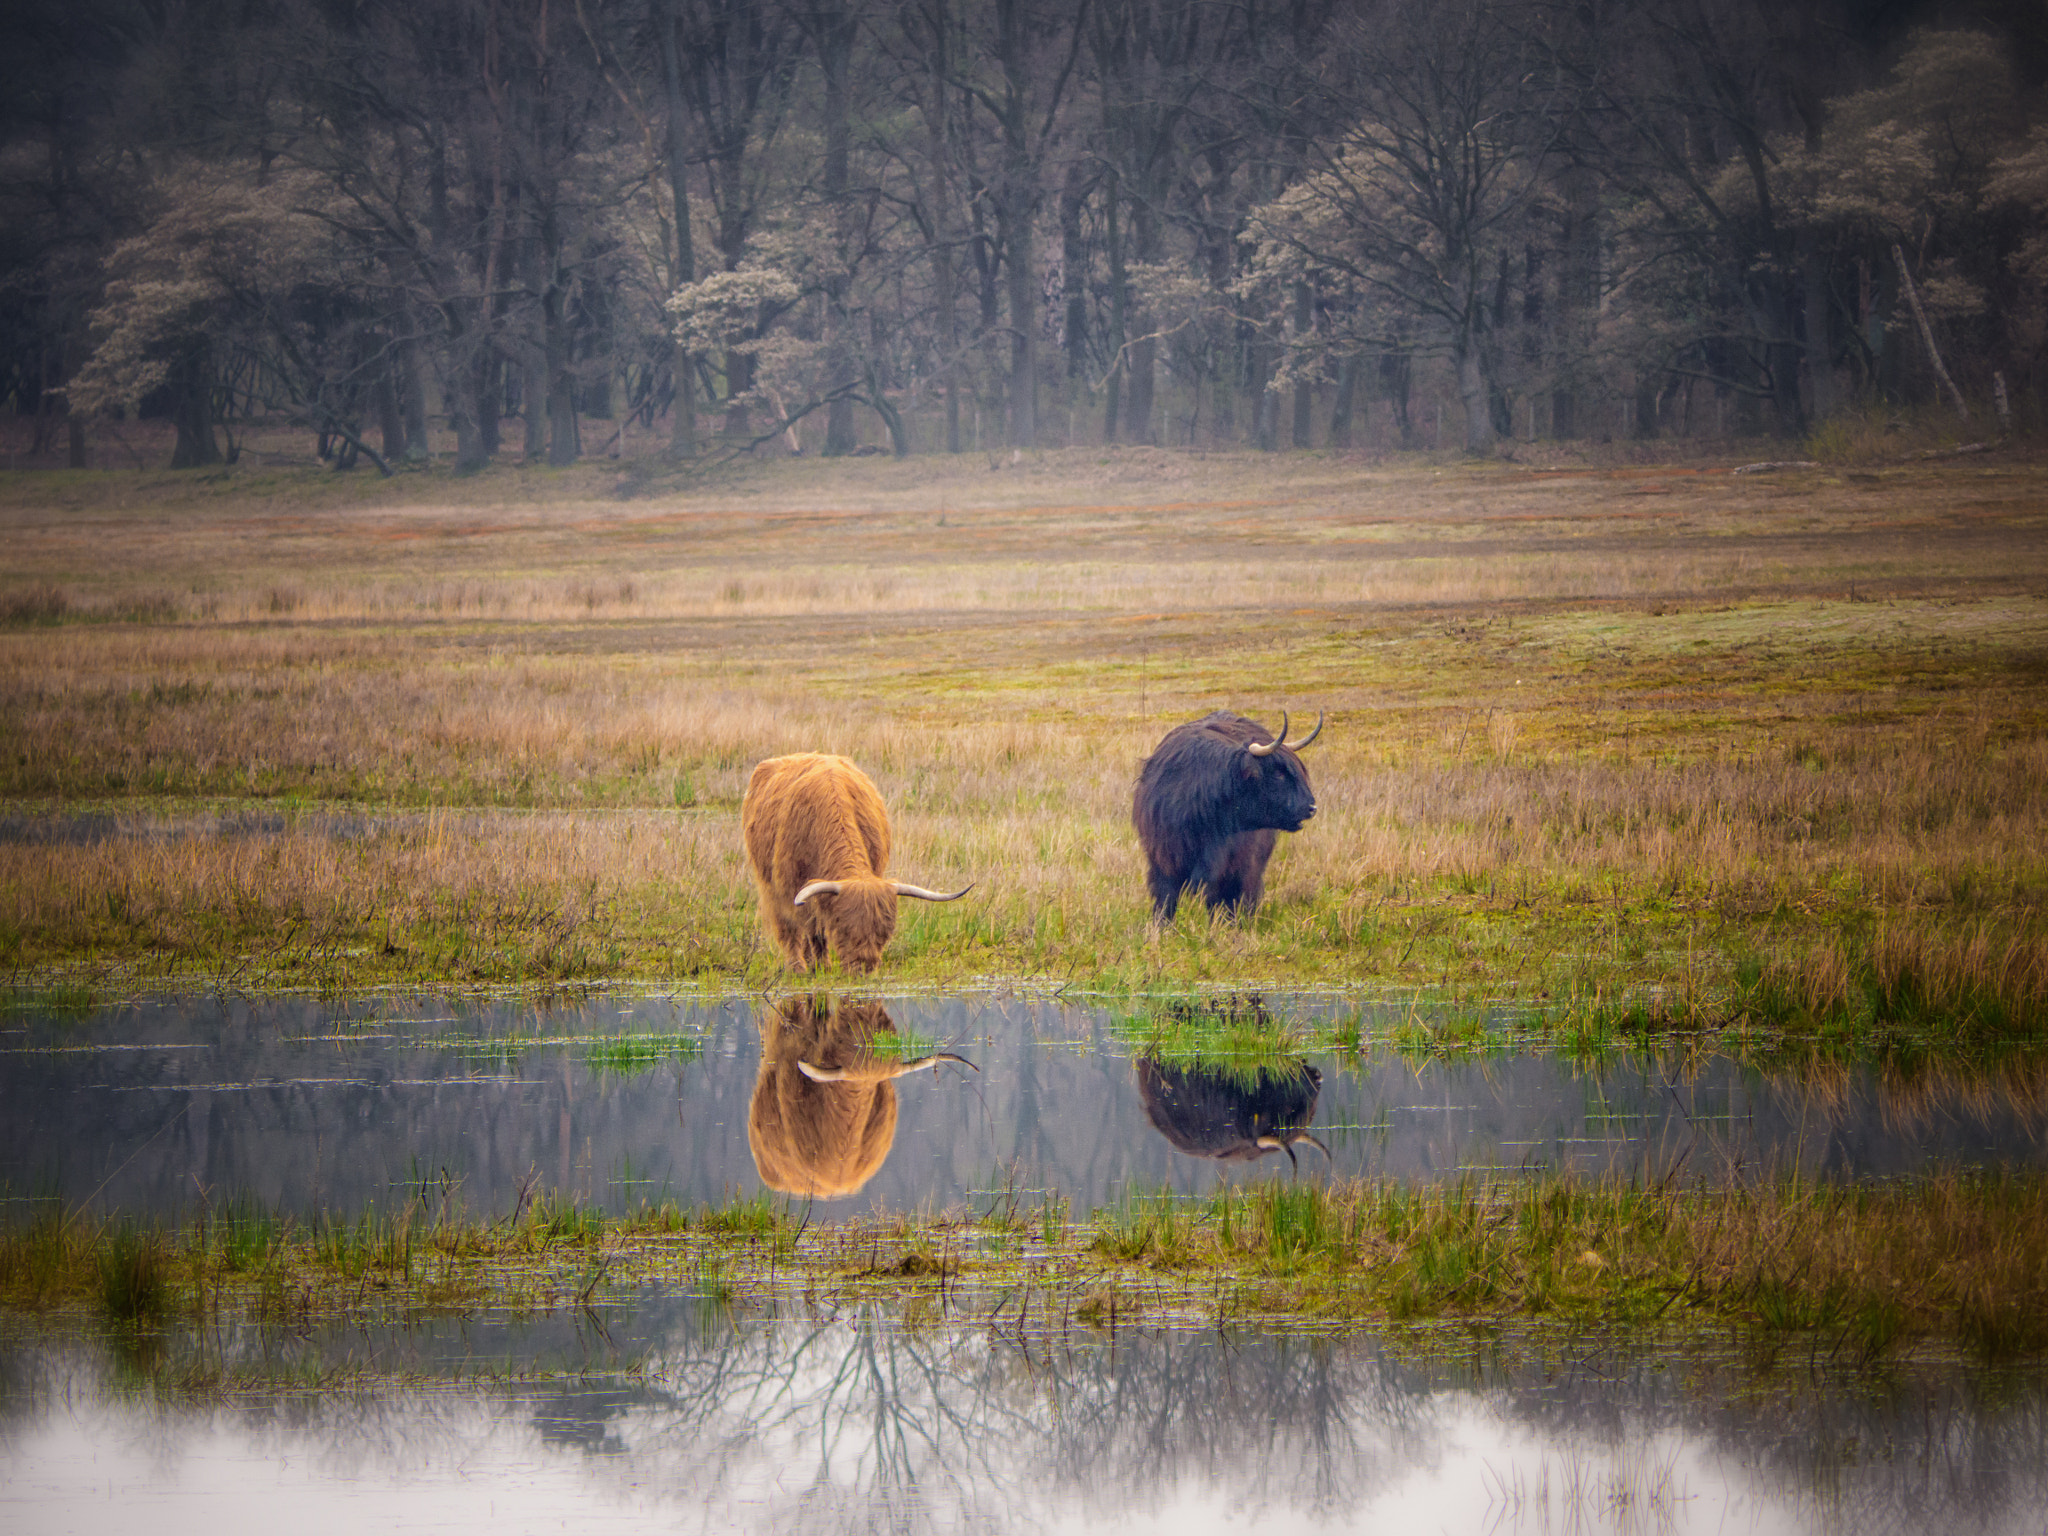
{"x":817,"y":839}
{"x":824,"y":1109}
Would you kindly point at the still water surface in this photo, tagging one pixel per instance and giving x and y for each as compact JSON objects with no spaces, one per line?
{"x":309,"y":1107}
{"x":655,"y":1410}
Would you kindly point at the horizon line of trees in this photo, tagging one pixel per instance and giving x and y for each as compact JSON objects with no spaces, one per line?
{"x":1237,"y":221}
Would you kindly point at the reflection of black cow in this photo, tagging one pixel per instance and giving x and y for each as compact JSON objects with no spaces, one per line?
{"x":824,"y":1110}
{"x":1207,"y":1112}
{"x":1211,"y":801}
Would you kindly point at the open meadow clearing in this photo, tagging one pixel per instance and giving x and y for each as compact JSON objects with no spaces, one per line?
{"x":1657,"y":741}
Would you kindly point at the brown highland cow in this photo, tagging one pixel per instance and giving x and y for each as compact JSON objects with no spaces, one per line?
{"x":817,"y":839}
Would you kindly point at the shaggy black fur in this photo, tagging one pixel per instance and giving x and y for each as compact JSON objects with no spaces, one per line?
{"x":1208,"y":812}
{"x":1206,"y":1113}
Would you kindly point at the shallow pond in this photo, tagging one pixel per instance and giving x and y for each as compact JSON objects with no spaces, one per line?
{"x":306,"y":1107}
{"x":656,"y":1408}
{"x":672,"y":1417}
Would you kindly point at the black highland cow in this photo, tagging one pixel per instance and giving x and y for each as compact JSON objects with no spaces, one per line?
{"x":1210,"y":804}
{"x":1206,"y":1112}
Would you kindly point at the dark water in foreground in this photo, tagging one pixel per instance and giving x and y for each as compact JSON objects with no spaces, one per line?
{"x":658,"y":1411}
{"x":850,"y":1424}
{"x":307,"y":1107}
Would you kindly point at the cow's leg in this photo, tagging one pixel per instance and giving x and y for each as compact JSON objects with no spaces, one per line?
{"x":1239,"y":881}
{"x":1165,"y":889}
{"x":801,"y":945}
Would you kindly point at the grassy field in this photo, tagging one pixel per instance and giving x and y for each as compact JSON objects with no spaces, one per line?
{"x":1655,"y":743}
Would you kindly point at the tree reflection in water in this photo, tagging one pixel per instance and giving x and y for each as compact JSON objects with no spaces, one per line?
{"x":857,"y":1416}
{"x":861,"y":1423}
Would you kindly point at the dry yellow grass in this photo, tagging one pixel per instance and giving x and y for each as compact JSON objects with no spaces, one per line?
{"x":1590,"y":732}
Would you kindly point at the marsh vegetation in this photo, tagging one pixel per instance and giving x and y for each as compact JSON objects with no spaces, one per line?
{"x":1939,"y":1262}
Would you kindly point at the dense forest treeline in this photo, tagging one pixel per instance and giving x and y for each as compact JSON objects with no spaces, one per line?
{"x":951,"y":224}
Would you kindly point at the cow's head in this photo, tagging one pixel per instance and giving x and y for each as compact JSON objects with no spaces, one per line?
{"x":860,"y":914}
{"x":1272,"y":785}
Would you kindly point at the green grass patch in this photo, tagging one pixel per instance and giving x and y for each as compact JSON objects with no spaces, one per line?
{"x":1237,"y":1034}
{"x":630,"y":1055}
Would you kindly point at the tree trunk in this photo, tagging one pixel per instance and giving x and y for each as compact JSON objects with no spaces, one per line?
{"x":412,"y":379}
{"x":1820,"y":352}
{"x":1304,"y":393}
{"x":490,"y":398}
{"x":1118,"y":294}
{"x":1144,"y":352}
{"x":682,"y":442}
{"x":533,"y":409}
{"x":1927,"y":334}
{"x":469,"y":443}
{"x":831,"y":30}
{"x":1023,"y":297}
{"x":562,"y":444}
{"x":1265,"y":401}
{"x":1472,"y":393}
{"x":1074,"y":272}
{"x":191,"y":381}
{"x":1646,"y":425}
{"x":1341,"y":407}
{"x":1397,"y":377}
{"x":389,"y":423}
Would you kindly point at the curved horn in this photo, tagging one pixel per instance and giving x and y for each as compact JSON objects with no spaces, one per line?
{"x":1275,"y":1144}
{"x":1300,"y":1136}
{"x":818,"y":888}
{"x":1296,"y":746}
{"x":1268,"y":748}
{"x":879,"y":1071}
{"x":904,"y":889}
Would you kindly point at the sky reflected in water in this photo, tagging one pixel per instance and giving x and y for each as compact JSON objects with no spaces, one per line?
{"x":852,"y":1424}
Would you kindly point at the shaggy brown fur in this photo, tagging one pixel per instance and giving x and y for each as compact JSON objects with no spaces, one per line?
{"x":811,"y":816}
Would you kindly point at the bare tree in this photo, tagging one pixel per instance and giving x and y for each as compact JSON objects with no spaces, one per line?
{"x":1453,"y":120}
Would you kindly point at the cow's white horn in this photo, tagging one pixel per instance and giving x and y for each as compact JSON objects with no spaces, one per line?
{"x":903,"y":889}
{"x":1268,"y":748}
{"x":819,"y":888}
{"x":879,"y":1071}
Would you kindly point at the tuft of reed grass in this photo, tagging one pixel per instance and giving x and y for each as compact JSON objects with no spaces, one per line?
{"x":134,"y":1273}
{"x":41,"y":603}
{"x":630,"y":1055}
{"x":1149,"y":1227}
{"x":39,"y":1258}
